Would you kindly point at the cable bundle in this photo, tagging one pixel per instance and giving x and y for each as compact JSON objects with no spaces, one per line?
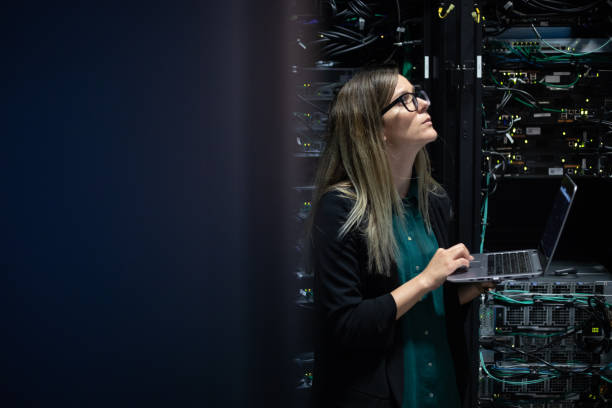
{"x":356,"y":26}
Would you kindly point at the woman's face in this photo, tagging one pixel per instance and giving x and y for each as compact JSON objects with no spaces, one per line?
{"x":402,"y":128}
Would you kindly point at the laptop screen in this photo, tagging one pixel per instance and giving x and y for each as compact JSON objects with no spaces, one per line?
{"x":556,"y":220}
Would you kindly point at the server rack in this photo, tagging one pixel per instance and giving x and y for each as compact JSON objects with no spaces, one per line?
{"x":454,"y":47}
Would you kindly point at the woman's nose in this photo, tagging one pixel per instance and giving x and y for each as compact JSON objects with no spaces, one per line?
{"x":423,"y":105}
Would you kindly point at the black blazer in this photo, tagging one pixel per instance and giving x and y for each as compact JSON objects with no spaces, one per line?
{"x":358,"y":350}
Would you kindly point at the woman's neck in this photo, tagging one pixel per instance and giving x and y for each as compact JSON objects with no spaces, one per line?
{"x":401,"y":165}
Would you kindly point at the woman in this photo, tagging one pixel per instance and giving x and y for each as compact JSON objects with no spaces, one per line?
{"x":378,"y":234}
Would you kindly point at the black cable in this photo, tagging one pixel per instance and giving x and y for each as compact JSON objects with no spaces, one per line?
{"x":333,"y":6}
{"x":390,"y":55}
{"x":600,"y":315}
{"x":557,"y":339}
{"x":344,"y":13}
{"x":365,"y":10}
{"x":499,"y":131}
{"x":365,"y":7}
{"x":531,"y":97}
{"x":347,"y":30}
{"x":399,"y":18}
{"x":497,"y":31}
{"x":597,"y":121}
{"x":339,"y":35}
{"x":530,"y":355}
{"x":354,"y":9}
{"x":304,"y":121}
{"x":560,"y":10}
{"x":314,"y":105}
{"x":365,"y":43}
{"x":505,"y":99}
{"x":331,"y":48}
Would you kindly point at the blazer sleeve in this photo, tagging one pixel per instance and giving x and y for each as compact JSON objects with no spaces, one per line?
{"x":348,"y":318}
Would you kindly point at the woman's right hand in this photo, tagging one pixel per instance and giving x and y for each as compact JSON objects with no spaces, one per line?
{"x":443,"y":263}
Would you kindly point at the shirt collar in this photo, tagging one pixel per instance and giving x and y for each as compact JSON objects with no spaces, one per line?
{"x":412,"y":198}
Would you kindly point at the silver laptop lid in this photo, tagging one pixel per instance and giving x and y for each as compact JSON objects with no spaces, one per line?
{"x":556,"y":221}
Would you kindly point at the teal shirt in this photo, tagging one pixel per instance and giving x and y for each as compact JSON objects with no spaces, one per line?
{"x":429,"y":376}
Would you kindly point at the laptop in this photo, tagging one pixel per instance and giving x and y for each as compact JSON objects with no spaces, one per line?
{"x":528,"y":263}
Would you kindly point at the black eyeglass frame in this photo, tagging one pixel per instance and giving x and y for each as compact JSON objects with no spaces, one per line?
{"x":415,"y":96}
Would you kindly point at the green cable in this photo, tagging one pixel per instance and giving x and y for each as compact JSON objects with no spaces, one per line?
{"x":566,"y":52}
{"x":485,"y":215}
{"x":493,"y":78}
{"x":510,"y":300}
{"x":516,"y":98}
{"x":542,"y":59}
{"x":555,"y":298}
{"x":482,"y":363}
{"x":407,"y":69}
{"x":532,"y":334}
{"x":524,"y":53}
{"x":604,"y":378}
{"x":576,"y":298}
{"x":561,"y":86}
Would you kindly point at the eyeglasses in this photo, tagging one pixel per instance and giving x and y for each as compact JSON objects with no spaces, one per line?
{"x":410,"y":100}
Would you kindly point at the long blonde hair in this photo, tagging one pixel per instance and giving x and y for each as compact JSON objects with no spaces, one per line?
{"x":355,"y":164}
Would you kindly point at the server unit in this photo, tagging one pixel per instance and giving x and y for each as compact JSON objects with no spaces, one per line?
{"x":546,"y":342}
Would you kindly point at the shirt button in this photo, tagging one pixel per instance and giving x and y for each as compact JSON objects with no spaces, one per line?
{"x":426,"y":332}
{"x":409,"y":238}
{"x":429,"y":364}
{"x":418,"y":267}
{"x":431,"y":395}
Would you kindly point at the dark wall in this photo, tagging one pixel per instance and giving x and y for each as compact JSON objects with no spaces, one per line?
{"x":141,"y":165}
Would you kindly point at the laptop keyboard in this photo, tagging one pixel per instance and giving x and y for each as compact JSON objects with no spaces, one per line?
{"x":505,"y":263}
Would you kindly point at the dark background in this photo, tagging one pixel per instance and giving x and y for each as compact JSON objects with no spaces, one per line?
{"x":143,"y":176}
{"x":145,"y":172}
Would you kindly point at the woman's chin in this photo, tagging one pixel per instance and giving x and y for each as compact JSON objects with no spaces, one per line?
{"x":432,"y":135}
